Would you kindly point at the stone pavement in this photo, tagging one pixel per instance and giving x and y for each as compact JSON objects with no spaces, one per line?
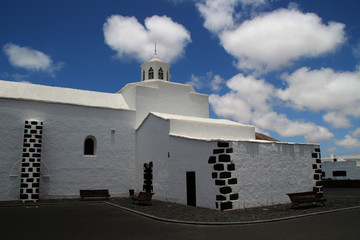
{"x":337,"y":199}
{"x":74,"y":219}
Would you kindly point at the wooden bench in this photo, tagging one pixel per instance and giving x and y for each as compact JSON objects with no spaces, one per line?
{"x":305,"y":197}
{"x":99,"y":193}
{"x":143,"y":197}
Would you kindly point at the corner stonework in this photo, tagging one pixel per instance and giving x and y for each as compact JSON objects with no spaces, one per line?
{"x":30,"y":162}
{"x":222,"y":174}
{"x":316,"y":155}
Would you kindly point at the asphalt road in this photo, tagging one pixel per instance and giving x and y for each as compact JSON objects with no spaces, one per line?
{"x":86,"y":220}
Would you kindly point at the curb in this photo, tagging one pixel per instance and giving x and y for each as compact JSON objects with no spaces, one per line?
{"x":227,"y":223}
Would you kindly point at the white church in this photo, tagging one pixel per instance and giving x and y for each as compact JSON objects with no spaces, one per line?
{"x":153,"y":135}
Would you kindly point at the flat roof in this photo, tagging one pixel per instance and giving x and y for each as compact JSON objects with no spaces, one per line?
{"x":35,"y":92}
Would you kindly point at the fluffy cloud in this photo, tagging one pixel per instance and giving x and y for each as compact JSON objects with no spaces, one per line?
{"x":271,"y":40}
{"x":216,"y":83}
{"x":324,"y":90}
{"x":288,"y":128}
{"x":356,"y":133}
{"x":218,"y":14}
{"x":195,"y":81}
{"x":275,"y":39}
{"x":250,"y":101}
{"x":210,"y":80}
{"x":131,"y":39}
{"x":332,"y":149}
{"x":30,"y":59}
{"x":351,"y":140}
{"x":337,"y":120}
{"x":256,"y":93}
{"x":231,"y":105}
{"x":348,"y":142}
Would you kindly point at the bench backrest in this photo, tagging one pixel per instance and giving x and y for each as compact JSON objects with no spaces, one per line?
{"x":145,"y":195}
{"x":303,"y":195}
{"x":99,"y":192}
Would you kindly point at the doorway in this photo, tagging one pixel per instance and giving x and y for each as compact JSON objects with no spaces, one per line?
{"x":191,"y":188}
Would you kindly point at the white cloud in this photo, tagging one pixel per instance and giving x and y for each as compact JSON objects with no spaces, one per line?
{"x":351,"y":140}
{"x":256,"y":93}
{"x":337,"y":120}
{"x":30,"y":59}
{"x":246,"y":96}
{"x":348,"y":142}
{"x":216,"y":83}
{"x":131,"y":39}
{"x":324,"y":90}
{"x":332,"y":149}
{"x":218,"y":14}
{"x":356,"y":132}
{"x":253,"y":2}
{"x":356,"y":50}
{"x":210,"y":80}
{"x":288,"y":128}
{"x":16,"y":76}
{"x":250,"y":101}
{"x":195,"y":82}
{"x":231,"y":106}
{"x":273,"y":40}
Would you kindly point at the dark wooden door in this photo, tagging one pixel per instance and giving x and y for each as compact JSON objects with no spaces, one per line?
{"x":191,"y":188}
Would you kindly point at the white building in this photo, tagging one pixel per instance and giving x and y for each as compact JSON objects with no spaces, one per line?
{"x":152,"y":135}
{"x":341,"y":167}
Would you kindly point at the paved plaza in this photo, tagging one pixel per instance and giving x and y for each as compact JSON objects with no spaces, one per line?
{"x":99,"y":220}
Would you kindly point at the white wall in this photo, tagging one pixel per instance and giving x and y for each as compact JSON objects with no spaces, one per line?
{"x":64,"y":168}
{"x":164,"y":97}
{"x":152,"y":141}
{"x":211,"y":130}
{"x":172,"y":157}
{"x":265,"y":172}
{"x":352,"y":169}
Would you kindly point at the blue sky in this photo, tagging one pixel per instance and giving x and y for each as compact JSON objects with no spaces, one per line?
{"x":291,"y":68}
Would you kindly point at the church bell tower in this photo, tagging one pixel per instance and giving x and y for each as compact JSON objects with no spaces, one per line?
{"x":155,"y":69}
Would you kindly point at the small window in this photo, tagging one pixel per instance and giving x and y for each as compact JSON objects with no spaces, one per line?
{"x":151,"y":73}
{"x":167,"y":75}
{"x":161,"y":74}
{"x":89,"y":146}
{"x":143,"y":75}
{"x":339,"y":173}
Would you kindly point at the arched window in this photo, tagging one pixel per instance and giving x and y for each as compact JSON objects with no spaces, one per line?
{"x":151,"y":73}
{"x":143,"y":76}
{"x":90,"y":146}
{"x":161,"y":74}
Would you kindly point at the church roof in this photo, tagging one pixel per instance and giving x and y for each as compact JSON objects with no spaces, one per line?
{"x":41,"y":93}
{"x":206,"y":128}
{"x":167,"y":116}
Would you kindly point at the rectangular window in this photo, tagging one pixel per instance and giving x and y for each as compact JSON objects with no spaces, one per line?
{"x":339,"y":173}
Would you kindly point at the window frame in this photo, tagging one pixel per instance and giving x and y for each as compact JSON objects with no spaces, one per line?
{"x":161,"y":73}
{"x":339,"y":173}
{"x":151,"y":73}
{"x":92,"y":151}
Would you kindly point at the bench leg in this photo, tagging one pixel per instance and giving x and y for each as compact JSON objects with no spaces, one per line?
{"x":322,"y":204}
{"x":294,"y":205}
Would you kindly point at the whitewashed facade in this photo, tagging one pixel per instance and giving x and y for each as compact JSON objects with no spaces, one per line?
{"x":342,"y":167}
{"x":152,"y":135}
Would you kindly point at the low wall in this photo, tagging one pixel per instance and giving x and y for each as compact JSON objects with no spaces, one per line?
{"x":330,"y":183}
